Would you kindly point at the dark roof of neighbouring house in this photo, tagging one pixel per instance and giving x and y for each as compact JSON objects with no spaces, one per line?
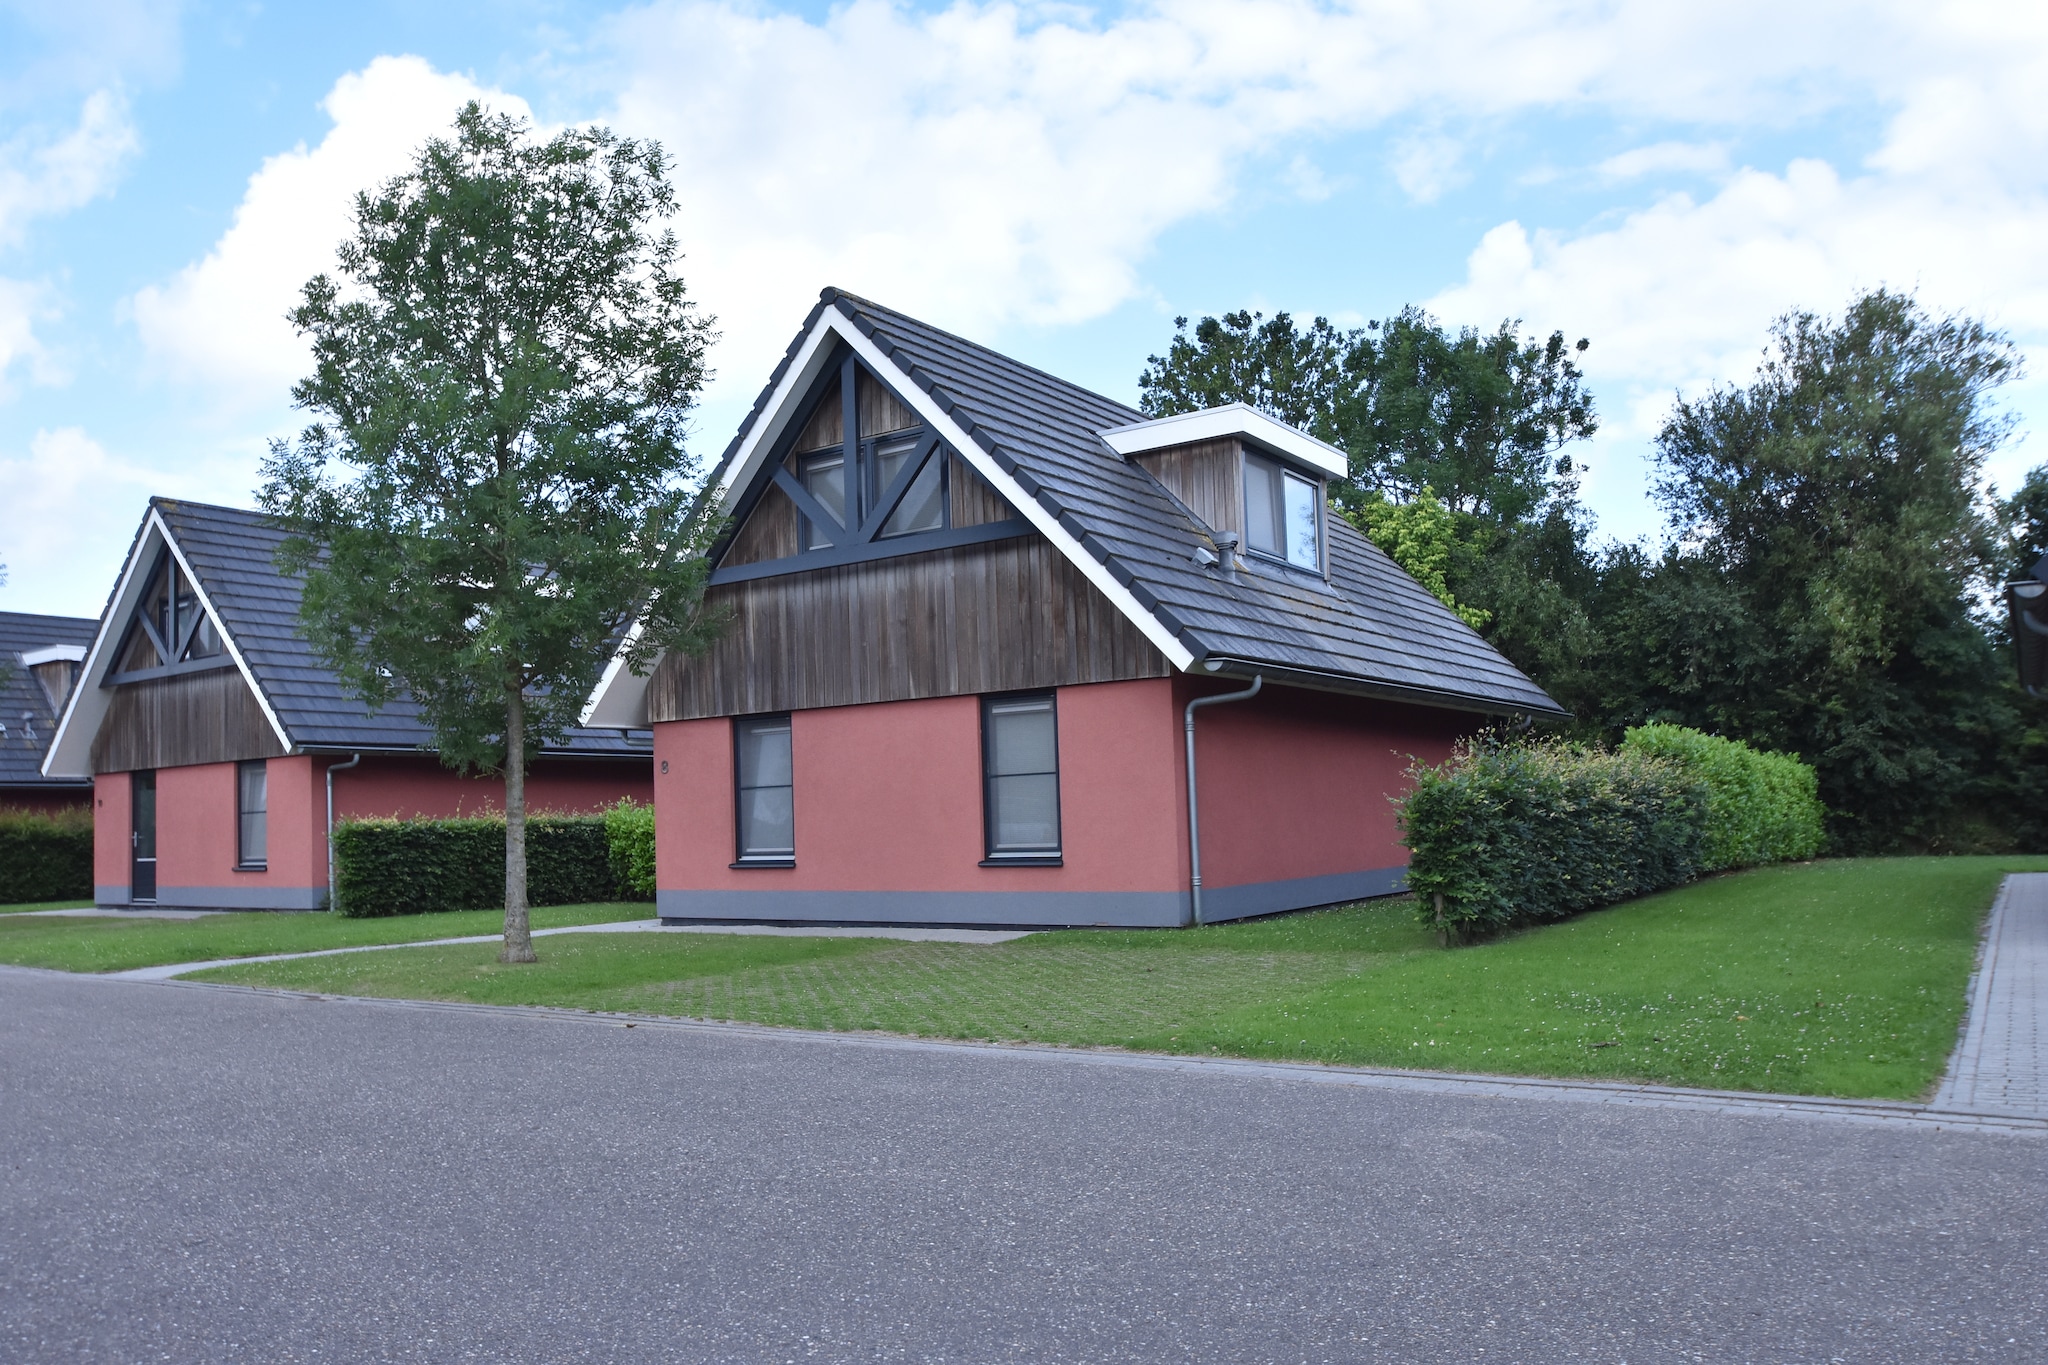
{"x":24,"y":708}
{"x":232,"y":553}
{"x":1370,"y":626}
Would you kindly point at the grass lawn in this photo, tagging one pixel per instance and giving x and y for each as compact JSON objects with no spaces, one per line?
{"x":114,"y":945}
{"x":45,"y":905}
{"x":1831,"y":978}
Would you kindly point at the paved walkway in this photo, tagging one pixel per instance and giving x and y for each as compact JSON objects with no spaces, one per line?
{"x":632,"y":926}
{"x":2002,"y":1065}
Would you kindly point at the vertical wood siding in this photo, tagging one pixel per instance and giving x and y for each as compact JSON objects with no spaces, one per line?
{"x":769,"y":532}
{"x":880,"y":410}
{"x":209,"y":717}
{"x":972,"y":501}
{"x":981,"y":618}
{"x":1206,"y":475}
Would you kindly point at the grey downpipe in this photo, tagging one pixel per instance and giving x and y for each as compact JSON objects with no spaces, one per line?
{"x":333,"y":768}
{"x":1194,"y":806}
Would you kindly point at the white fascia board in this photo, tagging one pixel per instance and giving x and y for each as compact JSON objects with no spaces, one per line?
{"x":983,"y":464}
{"x":619,"y":702}
{"x":70,"y":752}
{"x":1233,"y":419}
{"x":780,"y":409}
{"x":51,"y":654}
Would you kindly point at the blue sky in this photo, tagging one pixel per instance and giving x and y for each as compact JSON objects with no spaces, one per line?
{"x":1055,"y":180}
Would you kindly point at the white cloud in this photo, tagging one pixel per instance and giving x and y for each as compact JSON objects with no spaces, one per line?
{"x":1661,"y":158}
{"x":222,"y":319}
{"x":1425,"y":166}
{"x":71,"y":504}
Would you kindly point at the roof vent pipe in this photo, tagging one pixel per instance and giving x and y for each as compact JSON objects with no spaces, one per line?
{"x":1194,"y":808}
{"x":1226,"y":554}
{"x":332,"y":769}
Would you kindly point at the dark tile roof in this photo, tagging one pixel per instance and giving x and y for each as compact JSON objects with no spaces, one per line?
{"x":233,"y":554}
{"x":24,"y":709}
{"x":1371,"y":626}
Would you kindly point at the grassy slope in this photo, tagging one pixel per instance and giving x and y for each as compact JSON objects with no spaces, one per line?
{"x":113,"y":945}
{"x":1837,"y":978}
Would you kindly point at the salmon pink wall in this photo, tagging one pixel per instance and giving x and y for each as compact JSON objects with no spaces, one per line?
{"x":196,"y":845}
{"x":1297,"y":784}
{"x":407,"y":787}
{"x":888,"y":798}
{"x":110,"y":847}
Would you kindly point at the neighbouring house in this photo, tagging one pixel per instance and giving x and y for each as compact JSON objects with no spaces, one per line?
{"x":40,"y":656}
{"x":213,"y":737}
{"x":970,"y":606}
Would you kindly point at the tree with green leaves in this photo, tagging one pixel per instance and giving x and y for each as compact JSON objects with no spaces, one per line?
{"x":1831,"y":550}
{"x":496,"y":485}
{"x":1481,"y":418}
{"x":2024,"y":518}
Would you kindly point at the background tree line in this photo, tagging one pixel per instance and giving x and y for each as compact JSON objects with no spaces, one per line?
{"x":1825,"y":586}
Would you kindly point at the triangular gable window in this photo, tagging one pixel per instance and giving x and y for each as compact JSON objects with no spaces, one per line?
{"x":894,"y":488}
{"x":170,"y":631}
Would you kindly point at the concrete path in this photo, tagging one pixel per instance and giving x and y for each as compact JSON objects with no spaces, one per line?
{"x":635,"y":926}
{"x":2001,"y":1067}
{"x":213,"y":1174}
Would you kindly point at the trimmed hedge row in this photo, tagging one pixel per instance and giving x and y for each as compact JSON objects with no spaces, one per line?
{"x":1520,"y":833}
{"x":1761,"y":807}
{"x":45,"y":856}
{"x":629,"y":830}
{"x":411,"y":867}
{"x":1513,"y":833}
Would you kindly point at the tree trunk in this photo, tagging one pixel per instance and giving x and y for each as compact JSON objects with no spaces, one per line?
{"x":518,"y":940}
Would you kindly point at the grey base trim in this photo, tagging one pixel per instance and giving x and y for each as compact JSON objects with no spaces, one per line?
{"x":1039,"y":909}
{"x":222,"y":897}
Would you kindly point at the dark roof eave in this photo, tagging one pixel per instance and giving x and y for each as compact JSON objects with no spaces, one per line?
{"x":1220,"y":666}
{"x":420,"y":751}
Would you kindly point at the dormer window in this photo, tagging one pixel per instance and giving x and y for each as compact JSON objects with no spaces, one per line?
{"x":1283,"y":513}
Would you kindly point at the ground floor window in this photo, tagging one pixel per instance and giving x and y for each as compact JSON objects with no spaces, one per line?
{"x":762,"y":777}
{"x":1020,"y":768}
{"x":252,"y":814}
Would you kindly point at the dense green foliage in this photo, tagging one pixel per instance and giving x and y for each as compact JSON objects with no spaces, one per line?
{"x":1509,"y":834}
{"x":1820,"y":594}
{"x":45,"y":856}
{"x":629,"y":833}
{"x":1831,"y":978}
{"x":497,"y":485}
{"x":1421,"y":535}
{"x":411,"y":867}
{"x":1761,"y":808}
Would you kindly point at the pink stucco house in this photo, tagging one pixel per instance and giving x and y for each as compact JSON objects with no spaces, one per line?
{"x":987,"y":629}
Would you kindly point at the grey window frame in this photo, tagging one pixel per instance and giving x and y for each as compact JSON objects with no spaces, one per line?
{"x":243,"y":862}
{"x":1041,"y":857}
{"x":1281,"y":473}
{"x":741,"y":857}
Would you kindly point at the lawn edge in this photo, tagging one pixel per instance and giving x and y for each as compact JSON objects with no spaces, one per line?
{"x":1620,"y":1093}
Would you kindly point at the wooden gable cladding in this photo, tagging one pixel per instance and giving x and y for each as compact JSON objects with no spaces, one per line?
{"x":880,"y":411}
{"x":1006,"y":615}
{"x":209,"y":717}
{"x":774,"y":528}
{"x":1208,"y":476}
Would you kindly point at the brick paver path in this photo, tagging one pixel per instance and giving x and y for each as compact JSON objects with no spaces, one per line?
{"x":2002,"y":1065}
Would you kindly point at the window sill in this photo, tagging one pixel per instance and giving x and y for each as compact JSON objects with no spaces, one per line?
{"x":761,"y":862}
{"x":252,"y":867}
{"x":1025,"y":860}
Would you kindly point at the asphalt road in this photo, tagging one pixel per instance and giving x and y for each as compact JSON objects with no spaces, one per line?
{"x":196,"y":1175}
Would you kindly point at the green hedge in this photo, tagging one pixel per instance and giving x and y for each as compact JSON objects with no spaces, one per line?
{"x":410,"y":867}
{"x":1761,"y":807}
{"x":1507,"y":834}
{"x":629,"y":829}
{"x":45,"y":856}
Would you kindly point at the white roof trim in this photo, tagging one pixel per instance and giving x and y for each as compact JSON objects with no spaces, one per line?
{"x":1232,"y":419}
{"x":50,"y":654}
{"x":621,"y":698}
{"x":70,"y":752}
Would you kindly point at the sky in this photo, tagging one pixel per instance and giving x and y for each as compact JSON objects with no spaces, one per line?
{"x":1058,"y":181}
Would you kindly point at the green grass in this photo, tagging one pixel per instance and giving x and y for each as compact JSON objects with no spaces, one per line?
{"x":45,"y":905}
{"x":114,"y":945}
{"x":1831,"y":978}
